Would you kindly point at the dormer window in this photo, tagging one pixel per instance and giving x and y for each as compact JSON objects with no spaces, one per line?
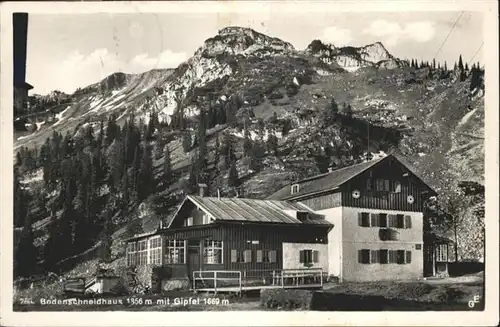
{"x":295,"y":189}
{"x":302,"y":215}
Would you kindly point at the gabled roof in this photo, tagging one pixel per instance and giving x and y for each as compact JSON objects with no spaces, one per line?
{"x":333,"y":180}
{"x":324,"y":182}
{"x":252,"y":210}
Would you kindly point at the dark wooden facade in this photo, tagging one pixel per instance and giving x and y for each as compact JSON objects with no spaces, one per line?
{"x":370,"y":198}
{"x":239,"y":236}
{"x":327,"y":200}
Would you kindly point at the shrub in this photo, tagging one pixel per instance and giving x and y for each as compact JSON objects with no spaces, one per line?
{"x":286,"y":299}
{"x":448,"y":294}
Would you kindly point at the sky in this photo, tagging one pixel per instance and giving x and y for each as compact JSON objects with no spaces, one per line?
{"x":66,"y":51}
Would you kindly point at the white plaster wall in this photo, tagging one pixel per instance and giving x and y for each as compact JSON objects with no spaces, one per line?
{"x":357,"y":238}
{"x":334,"y":216}
{"x":291,"y":255}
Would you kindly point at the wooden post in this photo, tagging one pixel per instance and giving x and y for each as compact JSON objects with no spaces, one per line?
{"x":433,"y":247}
{"x":215,"y":282}
{"x":282,"y":280}
{"x":241,"y":287}
{"x":194,"y":281}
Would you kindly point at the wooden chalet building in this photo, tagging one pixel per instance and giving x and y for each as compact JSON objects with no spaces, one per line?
{"x":359,"y":223}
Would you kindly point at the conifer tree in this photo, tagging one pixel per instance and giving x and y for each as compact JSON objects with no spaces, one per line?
{"x":26,"y":255}
{"x":460,"y":63}
{"x":105,"y":238}
{"x":347,"y":110}
{"x":247,"y":143}
{"x":20,"y":201}
{"x":217,"y":150}
{"x":272,"y":143}
{"x":167,"y":169}
{"x":233,"y":179}
{"x":202,"y":145}
{"x":186,"y":142}
{"x":146,"y":178}
{"x":126,"y":193}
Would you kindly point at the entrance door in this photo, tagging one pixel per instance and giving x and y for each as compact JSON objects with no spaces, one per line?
{"x":193,"y":258}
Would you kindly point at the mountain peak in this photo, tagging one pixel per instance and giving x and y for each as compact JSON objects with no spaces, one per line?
{"x":243,"y":40}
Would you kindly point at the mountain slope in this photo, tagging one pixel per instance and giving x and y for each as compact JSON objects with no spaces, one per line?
{"x":258,"y":87}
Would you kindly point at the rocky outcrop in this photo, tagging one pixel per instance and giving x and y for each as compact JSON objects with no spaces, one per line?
{"x":353,"y":58}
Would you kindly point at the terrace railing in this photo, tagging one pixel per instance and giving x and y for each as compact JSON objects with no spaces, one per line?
{"x":215,"y":280}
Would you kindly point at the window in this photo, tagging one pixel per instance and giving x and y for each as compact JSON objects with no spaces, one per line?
{"x":236,"y":256}
{"x":397,"y":187}
{"x":374,"y":256}
{"x":272,"y":256}
{"x":131,"y":254}
{"x":375,"y":220}
{"x":382,"y":220}
{"x":263,"y":256}
{"x":364,"y":219}
{"x":407,"y":222}
{"x":364,"y":256}
{"x":142,"y":252}
{"x":175,"y":252}
{"x":189,"y":221}
{"x":384,"y":256}
{"x":400,"y":221}
{"x":392,"y":221}
{"x":308,"y":256}
{"x":400,"y":256}
{"x":418,"y":246}
{"x":206,"y":219}
{"x":369,"y":184}
{"x":442,"y":253}
{"x":302,"y":215}
{"x":382,"y":185}
{"x":408,"y":256}
{"x":155,"y":251}
{"x":247,"y":256}
{"x":212,"y":252}
{"x":295,"y":189}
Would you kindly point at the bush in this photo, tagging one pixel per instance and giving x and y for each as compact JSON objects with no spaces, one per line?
{"x":286,"y":299}
{"x":448,"y":294}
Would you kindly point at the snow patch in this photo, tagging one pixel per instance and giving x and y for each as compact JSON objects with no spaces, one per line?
{"x":60,"y":115}
{"x":39,"y":124}
{"x":466,"y":117}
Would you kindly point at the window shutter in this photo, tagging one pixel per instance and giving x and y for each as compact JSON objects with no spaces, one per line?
{"x":387,"y":185}
{"x":301,"y":256}
{"x":272,"y":256}
{"x":407,"y":221}
{"x":360,"y":256}
{"x":248,"y":255}
{"x":374,"y":256}
{"x":374,"y":220}
{"x":408,"y":256}
{"x":259,"y":255}
{"x":360,"y":219}
{"x":315,"y":256}
{"x":234,"y":256}
{"x":400,"y":256}
{"x":391,"y":257}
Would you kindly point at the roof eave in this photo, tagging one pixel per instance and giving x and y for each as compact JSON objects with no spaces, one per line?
{"x":304,"y":195}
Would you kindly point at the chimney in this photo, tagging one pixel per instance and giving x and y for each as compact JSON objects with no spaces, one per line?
{"x":203,"y":189}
